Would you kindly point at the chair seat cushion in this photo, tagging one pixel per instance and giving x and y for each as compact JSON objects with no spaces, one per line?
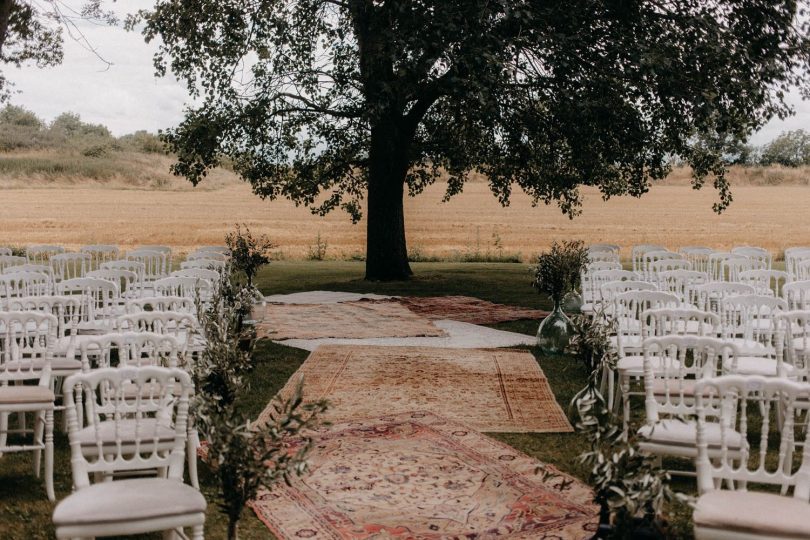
{"x":128,"y":500}
{"x":148,"y":428}
{"x":748,"y":347}
{"x":18,"y":395}
{"x":675,"y":432}
{"x":754,"y":513}
{"x":758,"y":365}
{"x":635,"y":363}
{"x":58,"y":364}
{"x":675,"y":388}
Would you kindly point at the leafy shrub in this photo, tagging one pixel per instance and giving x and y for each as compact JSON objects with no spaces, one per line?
{"x":248,"y":253}
{"x":96,"y":151}
{"x":558,"y":270}
{"x":317,"y":252}
{"x":791,"y":149}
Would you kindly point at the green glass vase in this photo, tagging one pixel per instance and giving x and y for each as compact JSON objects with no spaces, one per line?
{"x":555,"y":332}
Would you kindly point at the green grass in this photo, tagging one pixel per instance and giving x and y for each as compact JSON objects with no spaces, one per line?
{"x":25,"y":511}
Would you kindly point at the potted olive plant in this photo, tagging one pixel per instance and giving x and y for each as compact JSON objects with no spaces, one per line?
{"x":556,"y":274}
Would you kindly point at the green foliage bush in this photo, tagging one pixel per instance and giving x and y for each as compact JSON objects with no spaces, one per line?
{"x":558,"y":269}
{"x":791,"y":149}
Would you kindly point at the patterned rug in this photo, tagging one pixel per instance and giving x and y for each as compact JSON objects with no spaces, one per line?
{"x":467,"y":309}
{"x":419,"y":476}
{"x":489,"y":389}
{"x":341,"y":320}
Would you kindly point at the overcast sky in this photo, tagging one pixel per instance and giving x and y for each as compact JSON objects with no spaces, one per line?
{"x":128,"y":97}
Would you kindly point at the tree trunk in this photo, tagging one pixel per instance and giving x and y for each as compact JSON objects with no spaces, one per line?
{"x":233,"y":529}
{"x":386,"y":250}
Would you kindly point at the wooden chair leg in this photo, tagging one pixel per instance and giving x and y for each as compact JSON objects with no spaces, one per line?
{"x":197,"y":533}
{"x":49,"y":455}
{"x":39,"y":429}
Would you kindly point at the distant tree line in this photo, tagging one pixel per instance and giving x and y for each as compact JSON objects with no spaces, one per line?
{"x":21,"y":129}
{"x":789,"y":149}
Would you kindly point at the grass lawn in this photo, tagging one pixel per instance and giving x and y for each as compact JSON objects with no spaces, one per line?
{"x":26,"y":513}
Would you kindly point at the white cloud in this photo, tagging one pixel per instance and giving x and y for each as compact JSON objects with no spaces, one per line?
{"x":128,"y":97}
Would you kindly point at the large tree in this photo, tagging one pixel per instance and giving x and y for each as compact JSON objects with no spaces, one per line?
{"x":326,"y":102}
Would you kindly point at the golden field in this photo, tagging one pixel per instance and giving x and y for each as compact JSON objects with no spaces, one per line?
{"x":773,"y":216}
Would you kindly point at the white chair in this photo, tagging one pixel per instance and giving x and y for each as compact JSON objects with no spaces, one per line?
{"x":100,"y":253}
{"x":637,"y":254}
{"x":70,"y":265}
{"x":743,"y":513}
{"x":208,"y":255}
{"x":797,"y":294}
{"x":182,"y":286}
{"x":681,"y":283}
{"x":608,"y":291}
{"x":793,"y":256}
{"x":592,"y":286}
{"x":156,"y":425}
{"x":796,"y":327}
{"x":603,"y":256}
{"x":756,"y":253}
{"x":166,"y":252}
{"x":594,"y":248}
{"x":19,"y":284}
{"x":672,"y":367}
{"x":26,"y":351}
{"x":182,"y":304}
{"x":11,"y":260}
{"x":127,"y":281}
{"x":4,"y":251}
{"x":765,"y":282}
{"x":223,"y":250}
{"x":698,"y":256}
{"x":751,"y":323}
{"x":219,"y":266}
{"x":734,"y":266}
{"x":183,"y":326}
{"x":41,"y":253}
{"x":709,"y":296}
{"x":102,"y":297}
{"x":205,"y":274}
{"x":154,"y":263}
{"x":651,"y":257}
{"x":667,"y":265}
{"x":30,"y":267}
{"x":716,"y":269}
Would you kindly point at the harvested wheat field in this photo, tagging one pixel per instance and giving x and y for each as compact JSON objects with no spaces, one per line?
{"x":472,"y":223}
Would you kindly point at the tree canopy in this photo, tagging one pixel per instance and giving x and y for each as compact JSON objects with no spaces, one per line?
{"x":328,"y":102}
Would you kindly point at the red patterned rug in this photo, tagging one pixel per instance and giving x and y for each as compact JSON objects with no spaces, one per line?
{"x":465,"y":309}
{"x":419,"y":476}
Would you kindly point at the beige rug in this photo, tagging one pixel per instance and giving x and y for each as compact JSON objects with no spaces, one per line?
{"x":417,"y":475}
{"x":467,"y":309}
{"x":357,"y":320}
{"x":488,"y":389}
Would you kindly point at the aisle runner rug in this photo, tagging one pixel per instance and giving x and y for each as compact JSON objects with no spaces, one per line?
{"x":460,"y":335}
{"x":340,"y":320}
{"x":490,"y":390}
{"x":467,"y":309}
{"x":417,"y":475}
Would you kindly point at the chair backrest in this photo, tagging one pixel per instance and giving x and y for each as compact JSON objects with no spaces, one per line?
{"x":130,"y":349}
{"x":17,"y":284}
{"x":709,"y":296}
{"x":102,"y":295}
{"x":802,"y":269}
{"x":732,"y":267}
{"x":698,"y":256}
{"x":752,"y":317}
{"x":716,"y":268}
{"x":638,"y":251}
{"x":766,"y":282}
{"x":5,"y":251}
{"x":797,"y":294}
{"x":224,"y":250}
{"x":651,"y":257}
{"x":126,"y":280}
{"x":613,"y":248}
{"x":609,"y":290}
{"x":681,"y":282}
{"x":182,"y":304}
{"x":209,"y":255}
{"x":205,"y":274}
{"x":741,"y":403}
{"x":603,"y":256}
{"x":100,"y":253}
{"x":70,"y":311}
{"x":165,"y":251}
{"x":27,"y":340}
{"x":672,"y":364}
{"x":154,"y":263}
{"x":181,"y":286}
{"x":793,"y":256}
{"x":667,"y":265}
{"x":181,"y":325}
{"x":597,"y":278}
{"x":11,"y":260}
{"x":70,"y":265}
{"x":124,"y":264}
{"x":795,"y":325}
{"x":160,"y":402}
{"x":30,"y":267}
{"x":629,"y":305}
{"x":219,"y":266}
{"x":680,"y":322}
{"x":756,"y":253}
{"x":41,"y":253}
